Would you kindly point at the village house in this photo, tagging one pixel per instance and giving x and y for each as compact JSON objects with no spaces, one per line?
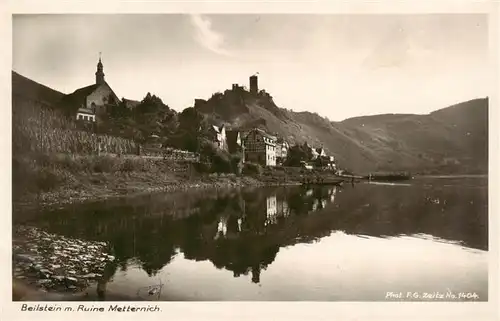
{"x":315,"y":152}
{"x":323,"y":160}
{"x":218,"y":136}
{"x":282,"y":148}
{"x":332,"y":164}
{"x":319,"y":158}
{"x":320,"y":152}
{"x":85,"y":114}
{"x":260,"y":147}
{"x":92,"y":100}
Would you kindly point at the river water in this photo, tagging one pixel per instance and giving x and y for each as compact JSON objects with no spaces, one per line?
{"x":425,"y":239}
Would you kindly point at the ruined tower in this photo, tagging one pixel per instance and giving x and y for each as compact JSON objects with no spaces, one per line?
{"x":254,"y":88}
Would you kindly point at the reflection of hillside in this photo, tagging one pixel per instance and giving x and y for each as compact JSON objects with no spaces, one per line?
{"x":243,"y":231}
{"x":449,"y":212}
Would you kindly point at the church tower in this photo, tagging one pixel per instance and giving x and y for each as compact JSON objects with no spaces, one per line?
{"x":99,"y":75}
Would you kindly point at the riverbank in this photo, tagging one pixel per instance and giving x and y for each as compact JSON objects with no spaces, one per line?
{"x":55,"y":180}
{"x":50,"y":262}
{"x":98,"y":187}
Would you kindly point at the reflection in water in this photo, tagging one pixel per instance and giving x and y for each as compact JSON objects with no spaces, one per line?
{"x":242,"y":231}
{"x":221,"y":228}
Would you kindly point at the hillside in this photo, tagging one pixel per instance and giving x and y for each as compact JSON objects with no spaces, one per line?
{"x":28,"y":89}
{"x":450,"y":140}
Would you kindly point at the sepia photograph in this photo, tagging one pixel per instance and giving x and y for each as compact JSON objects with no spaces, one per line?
{"x":250,"y":157}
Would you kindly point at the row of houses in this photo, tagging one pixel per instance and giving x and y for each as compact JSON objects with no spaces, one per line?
{"x":258,"y":146}
{"x":254,"y":145}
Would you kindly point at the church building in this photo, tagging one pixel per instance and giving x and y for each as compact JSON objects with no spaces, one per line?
{"x":92,"y":100}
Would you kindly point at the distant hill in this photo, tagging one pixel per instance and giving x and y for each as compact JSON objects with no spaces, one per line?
{"x":453,"y":139}
{"x":449,"y":140}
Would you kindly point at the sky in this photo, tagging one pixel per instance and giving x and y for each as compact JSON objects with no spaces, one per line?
{"x":337,"y":65}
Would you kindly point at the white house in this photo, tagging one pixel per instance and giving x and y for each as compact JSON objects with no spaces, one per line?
{"x":85,"y":114}
{"x":219,"y":137}
{"x":260,"y":147}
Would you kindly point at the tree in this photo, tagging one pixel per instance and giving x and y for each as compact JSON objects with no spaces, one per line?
{"x":152,"y":116}
{"x":298,"y":154}
{"x":192,"y":129}
{"x":191,"y":120}
{"x":119,"y":111}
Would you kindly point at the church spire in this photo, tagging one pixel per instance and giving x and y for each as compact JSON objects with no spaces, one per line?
{"x":99,"y":75}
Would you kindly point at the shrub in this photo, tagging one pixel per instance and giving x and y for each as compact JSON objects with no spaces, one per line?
{"x":105,"y":164}
{"x":43,"y":160}
{"x":236,"y":164}
{"x":201,"y":167}
{"x":46,"y":180}
{"x":129,"y":165}
{"x":252,"y":169}
{"x":221,"y":163}
{"x":72,"y":163}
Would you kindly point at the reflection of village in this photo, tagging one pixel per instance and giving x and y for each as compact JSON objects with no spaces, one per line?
{"x":258,"y":225}
{"x":276,"y":208}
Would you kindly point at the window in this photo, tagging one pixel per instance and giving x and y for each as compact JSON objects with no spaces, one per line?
{"x":80,"y":117}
